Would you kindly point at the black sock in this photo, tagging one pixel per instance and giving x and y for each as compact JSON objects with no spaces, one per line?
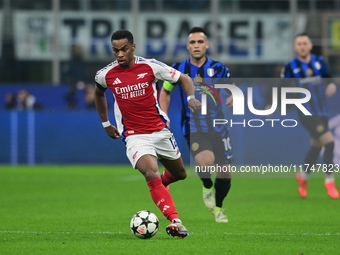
{"x":328,"y":156}
{"x":206,"y":179}
{"x":207,"y":183}
{"x":312,"y":157}
{"x":222,"y":188}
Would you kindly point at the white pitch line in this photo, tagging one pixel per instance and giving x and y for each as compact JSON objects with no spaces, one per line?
{"x":285,"y":234}
{"x":119,"y":233}
{"x":61,"y":233}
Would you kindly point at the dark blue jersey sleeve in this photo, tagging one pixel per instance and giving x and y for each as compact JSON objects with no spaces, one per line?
{"x":324,"y":68}
{"x":225,"y":72}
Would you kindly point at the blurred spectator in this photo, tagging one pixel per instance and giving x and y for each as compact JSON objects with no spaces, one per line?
{"x":10,"y":101}
{"x":26,"y":101}
{"x":74,"y":74}
{"x":89,"y":96}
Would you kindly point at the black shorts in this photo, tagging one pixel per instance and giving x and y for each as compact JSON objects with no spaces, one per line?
{"x":218,"y":143}
{"x":316,"y":125}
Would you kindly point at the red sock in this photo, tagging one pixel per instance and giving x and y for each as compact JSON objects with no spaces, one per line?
{"x":167,"y":178}
{"x":162,"y":198}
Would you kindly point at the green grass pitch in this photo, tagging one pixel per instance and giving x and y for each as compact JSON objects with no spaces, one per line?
{"x":87,"y":210}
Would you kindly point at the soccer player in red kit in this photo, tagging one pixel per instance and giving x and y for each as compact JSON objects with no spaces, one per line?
{"x":141,"y":122}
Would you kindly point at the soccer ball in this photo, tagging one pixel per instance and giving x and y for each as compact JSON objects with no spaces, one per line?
{"x":144,"y":224}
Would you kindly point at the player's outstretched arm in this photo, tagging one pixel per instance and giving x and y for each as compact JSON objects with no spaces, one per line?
{"x":189,"y":89}
{"x":101,"y":105}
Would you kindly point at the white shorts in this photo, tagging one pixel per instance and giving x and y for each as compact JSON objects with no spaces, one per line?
{"x":161,"y":144}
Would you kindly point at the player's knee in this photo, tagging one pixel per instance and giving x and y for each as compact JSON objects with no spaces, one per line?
{"x":226,"y":177}
{"x":150,"y":175}
{"x":205,"y":160}
{"x":182,"y":174}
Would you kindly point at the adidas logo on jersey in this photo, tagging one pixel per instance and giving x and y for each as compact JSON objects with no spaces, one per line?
{"x":117,"y":81}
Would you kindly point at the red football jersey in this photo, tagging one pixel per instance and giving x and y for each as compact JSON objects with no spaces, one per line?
{"x":134,"y":89}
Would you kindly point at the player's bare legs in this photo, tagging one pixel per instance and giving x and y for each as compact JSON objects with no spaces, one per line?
{"x":148,"y":166}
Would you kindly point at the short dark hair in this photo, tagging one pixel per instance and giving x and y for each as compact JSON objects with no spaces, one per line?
{"x":197,"y":30}
{"x":301,"y":34}
{"x":122,"y":34}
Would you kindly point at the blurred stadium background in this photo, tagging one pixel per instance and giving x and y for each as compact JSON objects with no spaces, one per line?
{"x":51,"y":49}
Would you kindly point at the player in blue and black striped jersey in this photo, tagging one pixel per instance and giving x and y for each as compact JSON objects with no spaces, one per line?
{"x":308,"y":71}
{"x":208,"y":145}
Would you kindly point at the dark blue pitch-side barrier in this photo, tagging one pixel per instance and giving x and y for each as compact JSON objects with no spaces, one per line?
{"x":67,"y":137}
{"x":56,"y":135}
{"x":62,"y":137}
